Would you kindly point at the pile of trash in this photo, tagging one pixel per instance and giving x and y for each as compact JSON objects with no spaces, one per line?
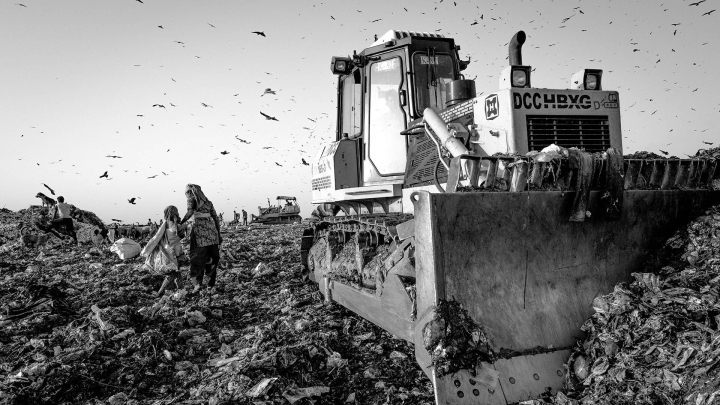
{"x":12,"y":224}
{"x":656,"y":340}
{"x":80,"y":325}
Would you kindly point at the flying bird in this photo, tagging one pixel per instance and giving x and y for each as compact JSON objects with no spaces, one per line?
{"x":663,"y":152}
{"x":698,"y":3}
{"x":164,"y":173}
{"x":211,"y":25}
{"x":262,"y":34}
{"x":152,"y":177}
{"x":709,"y":12}
{"x":159,"y":105}
{"x":104,"y":175}
{"x":19,"y":4}
{"x":707,"y":143}
{"x":268,"y":91}
{"x":206,"y":105}
{"x":278,"y":164}
{"x":224,"y":152}
{"x":241,"y":140}
{"x":305,"y":163}
{"x":161,"y":27}
{"x":116,"y":220}
{"x":178,"y":42}
{"x":132,"y":201}
{"x":267,"y":117}
{"x":114,"y":157}
{"x":48,"y":187}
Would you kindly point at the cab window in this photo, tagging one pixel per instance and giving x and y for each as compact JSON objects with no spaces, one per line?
{"x":386,"y":147}
{"x":351,"y":104}
{"x":432,"y":75}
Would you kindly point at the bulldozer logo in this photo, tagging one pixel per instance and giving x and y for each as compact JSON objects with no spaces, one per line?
{"x":492,"y":107}
{"x":562,"y":101}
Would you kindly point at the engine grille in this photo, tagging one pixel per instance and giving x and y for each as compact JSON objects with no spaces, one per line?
{"x":590,"y":132}
{"x":321,"y":183}
{"x":423,"y":160}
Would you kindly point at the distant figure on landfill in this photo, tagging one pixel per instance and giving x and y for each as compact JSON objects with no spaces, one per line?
{"x":112,"y":232}
{"x":64,"y":212}
{"x":164,"y":251}
{"x":97,"y":238}
{"x":204,"y":237}
{"x":43,"y":223}
{"x":244,"y":216}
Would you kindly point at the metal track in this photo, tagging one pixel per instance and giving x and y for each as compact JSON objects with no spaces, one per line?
{"x":384,"y":224}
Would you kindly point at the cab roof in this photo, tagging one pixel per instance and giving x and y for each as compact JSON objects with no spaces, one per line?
{"x":393,"y":35}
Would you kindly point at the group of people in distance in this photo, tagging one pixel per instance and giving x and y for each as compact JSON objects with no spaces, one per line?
{"x":197,"y":243}
{"x":236,"y":217}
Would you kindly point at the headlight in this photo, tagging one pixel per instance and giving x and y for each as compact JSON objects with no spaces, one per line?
{"x":587,"y":79}
{"x":340,"y":65}
{"x":519,"y":78}
{"x":515,"y":76}
{"x":591,"y":82}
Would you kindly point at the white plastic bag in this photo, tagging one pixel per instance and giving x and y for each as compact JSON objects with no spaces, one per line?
{"x":126,"y":248}
{"x":160,"y":262}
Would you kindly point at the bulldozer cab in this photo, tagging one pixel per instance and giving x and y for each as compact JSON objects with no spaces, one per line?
{"x":382,"y":89}
{"x":289,"y":204}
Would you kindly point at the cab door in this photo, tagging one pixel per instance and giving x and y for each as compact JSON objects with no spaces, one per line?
{"x":387,"y":116}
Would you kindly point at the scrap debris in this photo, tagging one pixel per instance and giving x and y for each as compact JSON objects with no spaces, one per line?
{"x":454,"y":340}
{"x":656,"y":340}
{"x":263,"y":337}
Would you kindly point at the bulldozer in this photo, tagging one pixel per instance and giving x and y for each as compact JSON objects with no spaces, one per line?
{"x":481,"y":227}
{"x":282,"y":213}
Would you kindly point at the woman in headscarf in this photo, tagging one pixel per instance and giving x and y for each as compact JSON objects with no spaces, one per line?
{"x":164,"y":249}
{"x":204,"y":234}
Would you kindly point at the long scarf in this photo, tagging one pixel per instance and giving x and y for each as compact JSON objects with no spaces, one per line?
{"x":197,"y":193}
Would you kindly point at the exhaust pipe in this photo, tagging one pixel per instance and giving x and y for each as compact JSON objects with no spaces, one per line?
{"x":515,"y":48}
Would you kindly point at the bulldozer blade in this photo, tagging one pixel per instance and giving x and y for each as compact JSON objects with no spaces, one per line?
{"x":529,"y":276}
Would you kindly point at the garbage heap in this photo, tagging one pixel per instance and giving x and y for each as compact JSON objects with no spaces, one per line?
{"x":12,"y":223}
{"x":656,"y":340}
{"x":79,"y":327}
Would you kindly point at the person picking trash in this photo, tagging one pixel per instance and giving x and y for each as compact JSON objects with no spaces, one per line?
{"x":64,"y":212}
{"x":163,"y":252}
{"x":204,"y":237}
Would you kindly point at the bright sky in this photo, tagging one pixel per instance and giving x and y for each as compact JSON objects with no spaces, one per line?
{"x":80,"y":78}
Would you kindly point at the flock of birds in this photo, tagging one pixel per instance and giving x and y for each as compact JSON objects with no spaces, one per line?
{"x":477,"y":20}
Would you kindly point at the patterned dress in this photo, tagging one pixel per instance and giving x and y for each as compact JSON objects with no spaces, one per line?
{"x":202,"y":230}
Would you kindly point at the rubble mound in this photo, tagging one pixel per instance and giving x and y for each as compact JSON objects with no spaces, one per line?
{"x":656,"y":340}
{"x":11,"y":224}
{"x":80,"y":326}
